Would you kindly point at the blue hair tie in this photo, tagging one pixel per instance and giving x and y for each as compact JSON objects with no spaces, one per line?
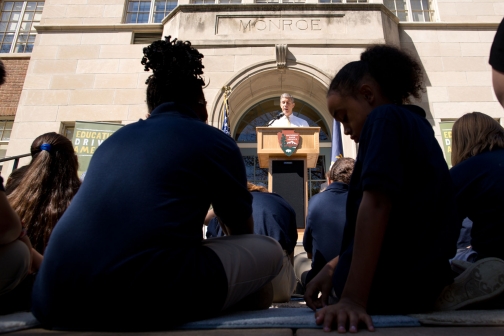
{"x":46,"y":147}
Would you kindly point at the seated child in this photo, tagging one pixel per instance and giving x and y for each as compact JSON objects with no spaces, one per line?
{"x":400,"y":226}
{"x":275,"y":218}
{"x":326,"y":219}
{"x":128,"y":254}
{"x":478,"y":175}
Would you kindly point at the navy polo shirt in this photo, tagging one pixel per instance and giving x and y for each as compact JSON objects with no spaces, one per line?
{"x":325,"y":223}
{"x":479,"y":183}
{"x":399,"y":156}
{"x":129,"y":246}
{"x":273,"y":217}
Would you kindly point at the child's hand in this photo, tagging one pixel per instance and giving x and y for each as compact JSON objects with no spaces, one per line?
{"x":321,"y":283}
{"x":345,"y":312}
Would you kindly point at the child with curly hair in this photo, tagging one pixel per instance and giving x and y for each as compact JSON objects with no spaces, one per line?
{"x":400,"y":226}
{"x":129,"y":254}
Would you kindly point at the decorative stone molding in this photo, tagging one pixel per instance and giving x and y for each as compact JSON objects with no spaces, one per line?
{"x":281,"y":56}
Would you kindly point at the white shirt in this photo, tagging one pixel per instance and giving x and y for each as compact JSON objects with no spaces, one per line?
{"x":294,"y":122}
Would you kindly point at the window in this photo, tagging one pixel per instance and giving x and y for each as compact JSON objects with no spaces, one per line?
{"x":5,"y":130}
{"x":343,"y":1}
{"x":17,"y":34}
{"x":410,"y":10}
{"x":280,"y":1}
{"x":149,"y":11}
{"x":5,"y":133}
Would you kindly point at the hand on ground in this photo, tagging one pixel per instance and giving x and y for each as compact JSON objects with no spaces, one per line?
{"x":346,"y":313}
{"x":321,"y":283}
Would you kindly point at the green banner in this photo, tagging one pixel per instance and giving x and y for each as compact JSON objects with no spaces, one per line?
{"x":88,"y":136}
{"x":446,"y":136}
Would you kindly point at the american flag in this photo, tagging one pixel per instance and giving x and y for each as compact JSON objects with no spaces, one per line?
{"x":225,"y":125}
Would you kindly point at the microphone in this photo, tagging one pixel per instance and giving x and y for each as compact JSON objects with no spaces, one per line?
{"x":278,"y":116}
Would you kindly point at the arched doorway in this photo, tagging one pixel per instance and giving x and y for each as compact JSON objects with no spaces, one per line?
{"x":259,"y":115}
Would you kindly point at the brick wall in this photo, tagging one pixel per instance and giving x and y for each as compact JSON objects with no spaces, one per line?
{"x":10,"y":92}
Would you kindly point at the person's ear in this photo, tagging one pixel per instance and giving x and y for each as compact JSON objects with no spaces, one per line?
{"x":368,"y":93}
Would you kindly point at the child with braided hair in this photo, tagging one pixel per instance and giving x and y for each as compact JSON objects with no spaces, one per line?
{"x":130,"y":245}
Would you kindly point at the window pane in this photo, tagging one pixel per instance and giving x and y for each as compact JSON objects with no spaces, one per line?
{"x":133,"y":6}
{"x":2,"y":125}
{"x":31,"y":6}
{"x":3,"y":26}
{"x":22,"y":38}
{"x":5,"y":16}
{"x":12,"y":26}
{"x":29,"y":48}
{"x":402,"y":16}
{"x":8,"y":6}
{"x":158,"y":17}
{"x":15,"y":16}
{"x":160,"y":6}
{"x":143,"y":18}
{"x":400,"y":5}
{"x":9,"y":38}
{"x":28,"y":16}
{"x":25,"y":26}
{"x":18,"y":5}
{"x":144,"y":6}
{"x":416,"y":5}
{"x":131,"y":18}
{"x":5,"y":48}
{"x":6,"y":135}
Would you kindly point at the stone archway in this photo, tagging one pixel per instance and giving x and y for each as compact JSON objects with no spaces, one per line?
{"x":263,"y":80}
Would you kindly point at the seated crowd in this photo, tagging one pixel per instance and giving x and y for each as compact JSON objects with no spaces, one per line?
{"x":380,"y":239}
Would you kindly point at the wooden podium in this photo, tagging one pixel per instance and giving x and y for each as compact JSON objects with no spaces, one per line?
{"x":287,"y":175}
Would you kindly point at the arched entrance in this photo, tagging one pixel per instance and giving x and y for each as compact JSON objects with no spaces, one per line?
{"x":254,"y":100}
{"x":259,"y":115}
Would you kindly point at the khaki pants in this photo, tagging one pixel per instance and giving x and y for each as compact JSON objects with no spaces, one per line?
{"x":250,"y":262}
{"x":14,"y":265}
{"x":284,"y":283}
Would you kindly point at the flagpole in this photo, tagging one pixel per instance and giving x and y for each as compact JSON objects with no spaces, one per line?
{"x":225,"y":107}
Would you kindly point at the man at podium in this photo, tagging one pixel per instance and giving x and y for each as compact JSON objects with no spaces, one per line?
{"x":286,"y":118}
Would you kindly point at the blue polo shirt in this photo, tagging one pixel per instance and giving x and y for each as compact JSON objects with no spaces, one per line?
{"x":400,"y":157}
{"x":479,"y":183}
{"x":325,"y":223}
{"x":273,"y":217}
{"x":128,"y":249}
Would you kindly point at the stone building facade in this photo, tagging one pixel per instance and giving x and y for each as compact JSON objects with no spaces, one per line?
{"x":85,"y":60}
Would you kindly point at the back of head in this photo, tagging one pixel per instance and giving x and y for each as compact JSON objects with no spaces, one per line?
{"x":341,"y":170}
{"x":176,"y":73}
{"x":398,"y":75}
{"x":3,"y":74}
{"x":47,"y":187}
{"x":475,"y":133}
{"x":254,"y":187}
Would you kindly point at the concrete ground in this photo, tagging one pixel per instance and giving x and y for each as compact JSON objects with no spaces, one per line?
{"x":414,"y":331}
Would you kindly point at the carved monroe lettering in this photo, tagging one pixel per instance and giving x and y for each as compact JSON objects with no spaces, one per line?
{"x":279,"y":24}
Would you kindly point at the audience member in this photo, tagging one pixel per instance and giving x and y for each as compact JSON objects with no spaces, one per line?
{"x":275,"y":218}
{"x":47,"y":187}
{"x":478,"y":175}
{"x":128,"y":253}
{"x":400,"y":230}
{"x":325,"y":221}
{"x":16,"y":253}
{"x":497,"y":63}
{"x":15,"y":179}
